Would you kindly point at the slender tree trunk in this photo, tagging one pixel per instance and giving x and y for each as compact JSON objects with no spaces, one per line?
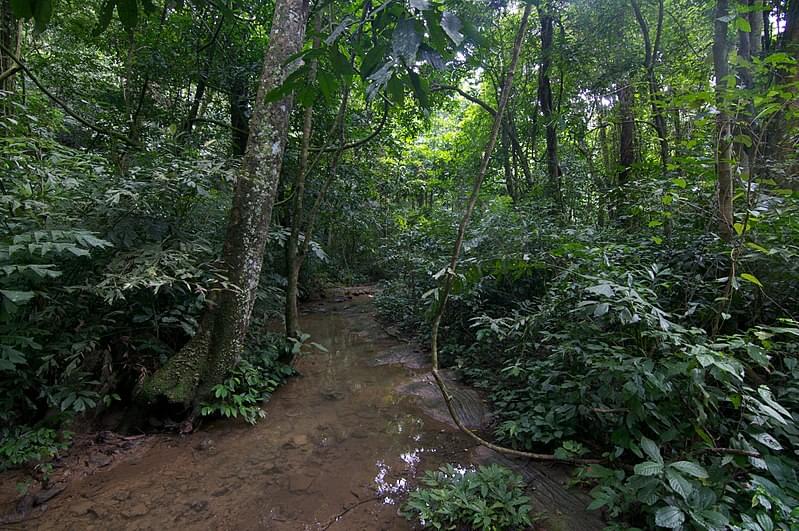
{"x":546,"y":103}
{"x":10,"y":38}
{"x":239,"y":120}
{"x":202,"y":81}
{"x":723,"y":133}
{"x":745,"y":150}
{"x":506,"y":165}
{"x":651,"y":51}
{"x":338,"y":127}
{"x":519,"y":151}
{"x":627,"y":132}
{"x":215,"y":349}
{"x":298,"y":191}
{"x":790,"y":43}
{"x":780,"y":143}
{"x":756,"y":22}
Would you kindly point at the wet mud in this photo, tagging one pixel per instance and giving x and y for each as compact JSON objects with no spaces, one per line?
{"x":339,"y":448}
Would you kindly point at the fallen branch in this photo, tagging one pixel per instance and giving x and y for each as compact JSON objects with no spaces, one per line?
{"x":733,"y":451}
{"x":348,"y":509}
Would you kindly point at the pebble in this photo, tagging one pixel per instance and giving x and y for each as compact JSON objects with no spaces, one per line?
{"x":199,"y":505}
{"x":300,"y":483}
{"x":81,"y":508}
{"x":100,"y":460}
{"x":135,"y":511}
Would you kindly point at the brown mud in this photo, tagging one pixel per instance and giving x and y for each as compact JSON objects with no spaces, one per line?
{"x":339,"y":448}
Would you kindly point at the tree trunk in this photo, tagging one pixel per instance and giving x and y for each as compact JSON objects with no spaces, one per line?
{"x":723,"y":134}
{"x":651,"y":51}
{"x":781,"y":144}
{"x":298,"y":189}
{"x":627,"y":133}
{"x":239,"y":121}
{"x":506,"y":165}
{"x":790,"y":43}
{"x":202,"y":82}
{"x":546,"y":104}
{"x":10,"y":39}
{"x":191,"y":373}
{"x":746,"y":150}
{"x":518,"y":151}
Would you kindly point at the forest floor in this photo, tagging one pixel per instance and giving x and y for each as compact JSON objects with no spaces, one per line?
{"x":340,"y":446}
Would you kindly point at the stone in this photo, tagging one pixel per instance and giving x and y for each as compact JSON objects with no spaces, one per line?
{"x":81,"y":508}
{"x":300,"y":483}
{"x":199,"y":505}
{"x":135,"y":511}
{"x":100,"y":460}
{"x":300,"y":440}
{"x":205,"y":446}
{"x":121,"y":496}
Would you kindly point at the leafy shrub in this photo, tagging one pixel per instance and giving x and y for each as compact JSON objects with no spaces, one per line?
{"x":249,"y":384}
{"x":592,"y":342}
{"x":488,"y":498}
{"x":22,"y":445}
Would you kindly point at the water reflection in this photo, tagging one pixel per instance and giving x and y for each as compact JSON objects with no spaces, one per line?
{"x":390,"y":487}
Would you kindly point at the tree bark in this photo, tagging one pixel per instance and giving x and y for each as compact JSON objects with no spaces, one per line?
{"x":723,"y":134}
{"x":298,"y":191}
{"x":651,"y":51}
{"x":202,"y":82}
{"x":510,"y":186}
{"x":546,"y":104}
{"x":10,"y":39}
{"x":239,"y":120}
{"x":627,"y":133}
{"x":746,"y":150}
{"x":191,"y":374}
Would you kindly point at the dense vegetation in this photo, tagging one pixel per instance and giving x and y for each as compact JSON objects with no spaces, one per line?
{"x":628,"y":282}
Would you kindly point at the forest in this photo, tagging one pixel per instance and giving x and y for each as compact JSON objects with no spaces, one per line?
{"x":584,"y":212}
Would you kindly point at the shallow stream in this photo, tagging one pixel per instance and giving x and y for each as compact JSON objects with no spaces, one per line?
{"x":339,"y":448}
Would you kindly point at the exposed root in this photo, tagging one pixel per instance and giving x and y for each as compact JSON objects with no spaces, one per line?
{"x":179,"y":378}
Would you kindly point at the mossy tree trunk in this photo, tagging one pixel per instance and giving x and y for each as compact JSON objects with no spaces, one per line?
{"x":203,"y":362}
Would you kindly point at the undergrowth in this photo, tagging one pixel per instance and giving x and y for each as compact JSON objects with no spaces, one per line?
{"x":611,"y":344}
{"x":488,"y":498}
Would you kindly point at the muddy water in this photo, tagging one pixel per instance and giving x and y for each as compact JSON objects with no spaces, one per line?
{"x":337,"y":449}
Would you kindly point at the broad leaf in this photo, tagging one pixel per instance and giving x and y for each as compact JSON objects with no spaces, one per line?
{"x":670,"y":517}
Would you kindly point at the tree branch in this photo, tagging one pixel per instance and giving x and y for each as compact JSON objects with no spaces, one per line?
{"x":10,"y":72}
{"x":64,"y":106}
{"x":361,"y":142}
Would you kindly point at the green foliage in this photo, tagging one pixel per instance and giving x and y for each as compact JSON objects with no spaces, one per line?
{"x":250,"y":383}
{"x":595,"y":340}
{"x":22,"y":445}
{"x":102,"y":275}
{"x":490,"y":498}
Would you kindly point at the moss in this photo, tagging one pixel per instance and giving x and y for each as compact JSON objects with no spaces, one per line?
{"x":178,"y":379}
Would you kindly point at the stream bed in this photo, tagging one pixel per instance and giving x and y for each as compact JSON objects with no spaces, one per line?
{"x":339,"y":447}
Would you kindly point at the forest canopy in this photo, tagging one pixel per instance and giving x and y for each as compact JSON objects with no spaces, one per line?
{"x":589,"y":210}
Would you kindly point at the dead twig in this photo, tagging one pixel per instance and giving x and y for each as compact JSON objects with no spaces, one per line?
{"x":338,"y":517}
